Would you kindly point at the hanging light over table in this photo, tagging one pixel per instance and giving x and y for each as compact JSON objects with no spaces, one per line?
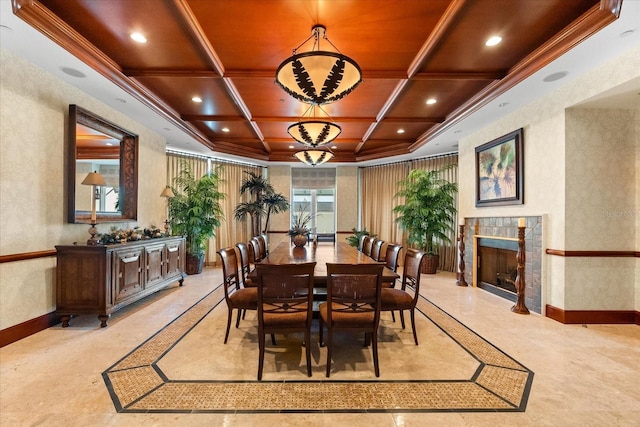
{"x":312,"y":131}
{"x":318,"y":77}
{"x":314,"y":157}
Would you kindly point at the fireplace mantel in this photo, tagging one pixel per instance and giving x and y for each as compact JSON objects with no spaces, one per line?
{"x":506,"y":228}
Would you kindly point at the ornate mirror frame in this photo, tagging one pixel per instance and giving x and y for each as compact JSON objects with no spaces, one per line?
{"x":128,"y":188}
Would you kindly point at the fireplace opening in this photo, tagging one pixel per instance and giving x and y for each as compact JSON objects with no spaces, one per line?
{"x":498,"y":266}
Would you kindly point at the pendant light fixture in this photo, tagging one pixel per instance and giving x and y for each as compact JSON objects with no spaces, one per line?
{"x":312,"y":131}
{"x":318,"y":77}
{"x":314,"y":157}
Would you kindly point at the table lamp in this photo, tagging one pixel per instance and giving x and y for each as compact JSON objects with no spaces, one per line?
{"x":96,"y":180}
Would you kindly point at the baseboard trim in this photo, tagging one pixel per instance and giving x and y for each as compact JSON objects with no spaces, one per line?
{"x":30,"y":327}
{"x":592,"y":316}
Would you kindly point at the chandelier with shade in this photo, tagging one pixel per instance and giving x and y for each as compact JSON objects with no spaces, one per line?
{"x":317,"y":77}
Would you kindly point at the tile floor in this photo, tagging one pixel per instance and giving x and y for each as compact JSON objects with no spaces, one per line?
{"x":584,"y":375}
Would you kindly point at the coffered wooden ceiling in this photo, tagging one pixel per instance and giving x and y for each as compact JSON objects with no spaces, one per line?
{"x":227,"y":51}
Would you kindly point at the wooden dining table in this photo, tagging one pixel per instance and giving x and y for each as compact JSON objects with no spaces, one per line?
{"x":340,"y":252}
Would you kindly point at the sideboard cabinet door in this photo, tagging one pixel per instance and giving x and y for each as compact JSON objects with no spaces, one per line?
{"x":129,"y":275}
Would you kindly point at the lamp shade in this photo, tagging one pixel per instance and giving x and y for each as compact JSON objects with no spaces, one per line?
{"x":94,"y":178}
{"x":318,"y":77}
{"x":167,"y":192}
{"x":314,"y":157}
{"x":314,"y":132}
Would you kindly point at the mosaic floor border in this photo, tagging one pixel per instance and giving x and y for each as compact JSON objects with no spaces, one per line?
{"x":136,"y":383}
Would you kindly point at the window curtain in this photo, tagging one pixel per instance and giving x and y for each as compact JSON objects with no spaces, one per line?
{"x":231,"y":231}
{"x":232,"y":175}
{"x":379,"y":185}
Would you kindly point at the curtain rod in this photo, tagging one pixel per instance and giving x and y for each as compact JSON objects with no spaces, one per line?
{"x":214,"y":159}
{"x":437,"y":156}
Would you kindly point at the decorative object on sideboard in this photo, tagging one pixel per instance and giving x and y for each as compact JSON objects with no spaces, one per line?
{"x":95,"y":180}
{"x":167,"y":193}
{"x":520,"y":306}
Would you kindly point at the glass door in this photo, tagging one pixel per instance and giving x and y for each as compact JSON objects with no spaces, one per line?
{"x":320,"y":204}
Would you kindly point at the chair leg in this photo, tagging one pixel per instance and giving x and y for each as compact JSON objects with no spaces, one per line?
{"x":243,"y":313}
{"x":329,"y":347}
{"x":320,"y":342}
{"x":238,"y":318}
{"x":402,"y":318}
{"x":393,"y":316}
{"x":307,"y":339}
{"x":261,"y":345}
{"x":374,"y":345}
{"x":413,"y":323}
{"x":226,"y":335}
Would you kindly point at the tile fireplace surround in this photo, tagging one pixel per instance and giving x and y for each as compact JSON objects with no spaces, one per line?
{"x":507,"y":227}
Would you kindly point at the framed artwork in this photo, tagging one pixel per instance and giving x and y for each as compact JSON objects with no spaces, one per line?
{"x":500,"y":171}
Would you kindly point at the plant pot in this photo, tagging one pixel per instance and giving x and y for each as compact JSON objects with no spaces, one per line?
{"x":194,"y":264}
{"x":430,"y":264}
{"x":299,"y":240}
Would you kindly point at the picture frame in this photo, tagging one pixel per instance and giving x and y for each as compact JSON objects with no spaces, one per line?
{"x":500,"y":171}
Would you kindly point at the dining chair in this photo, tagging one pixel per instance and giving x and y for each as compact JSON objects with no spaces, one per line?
{"x":255,"y":250}
{"x":367,"y":244}
{"x":393,"y":299}
{"x":285,"y":304}
{"x":264,"y":244}
{"x":245,"y":264}
{"x":376,"y":249}
{"x":391,"y":257}
{"x":353,"y":305}
{"x":237,"y":298}
{"x":361,"y":242}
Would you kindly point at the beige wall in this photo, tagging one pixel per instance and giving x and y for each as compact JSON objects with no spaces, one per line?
{"x":33,"y":115}
{"x":560,"y":157}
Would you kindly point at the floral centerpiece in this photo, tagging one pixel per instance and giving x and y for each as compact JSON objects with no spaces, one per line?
{"x":300,"y":230}
{"x":123,"y":235}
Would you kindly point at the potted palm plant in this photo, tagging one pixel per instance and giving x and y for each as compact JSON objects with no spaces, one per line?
{"x":428,"y":212}
{"x":265,"y":201}
{"x":195,"y":212}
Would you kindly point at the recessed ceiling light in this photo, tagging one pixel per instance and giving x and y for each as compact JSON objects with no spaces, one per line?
{"x":73,"y":72}
{"x":196,"y":99}
{"x":291,"y":146}
{"x":492,"y":41}
{"x":555,"y":76}
{"x":400,"y":131}
{"x":431,"y":101}
{"x":333,"y":147}
{"x":225,"y":129}
{"x":138,"y":37}
{"x":108,"y":144}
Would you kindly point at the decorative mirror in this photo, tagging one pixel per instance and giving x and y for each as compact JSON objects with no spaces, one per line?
{"x":97,"y":145}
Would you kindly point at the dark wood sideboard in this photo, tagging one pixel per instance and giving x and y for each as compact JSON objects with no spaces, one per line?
{"x":102,"y":279}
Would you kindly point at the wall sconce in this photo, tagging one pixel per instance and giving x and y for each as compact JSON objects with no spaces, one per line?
{"x":168,"y":194}
{"x":96,"y":181}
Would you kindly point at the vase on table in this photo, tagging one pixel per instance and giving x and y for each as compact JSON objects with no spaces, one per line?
{"x":299,"y":240}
